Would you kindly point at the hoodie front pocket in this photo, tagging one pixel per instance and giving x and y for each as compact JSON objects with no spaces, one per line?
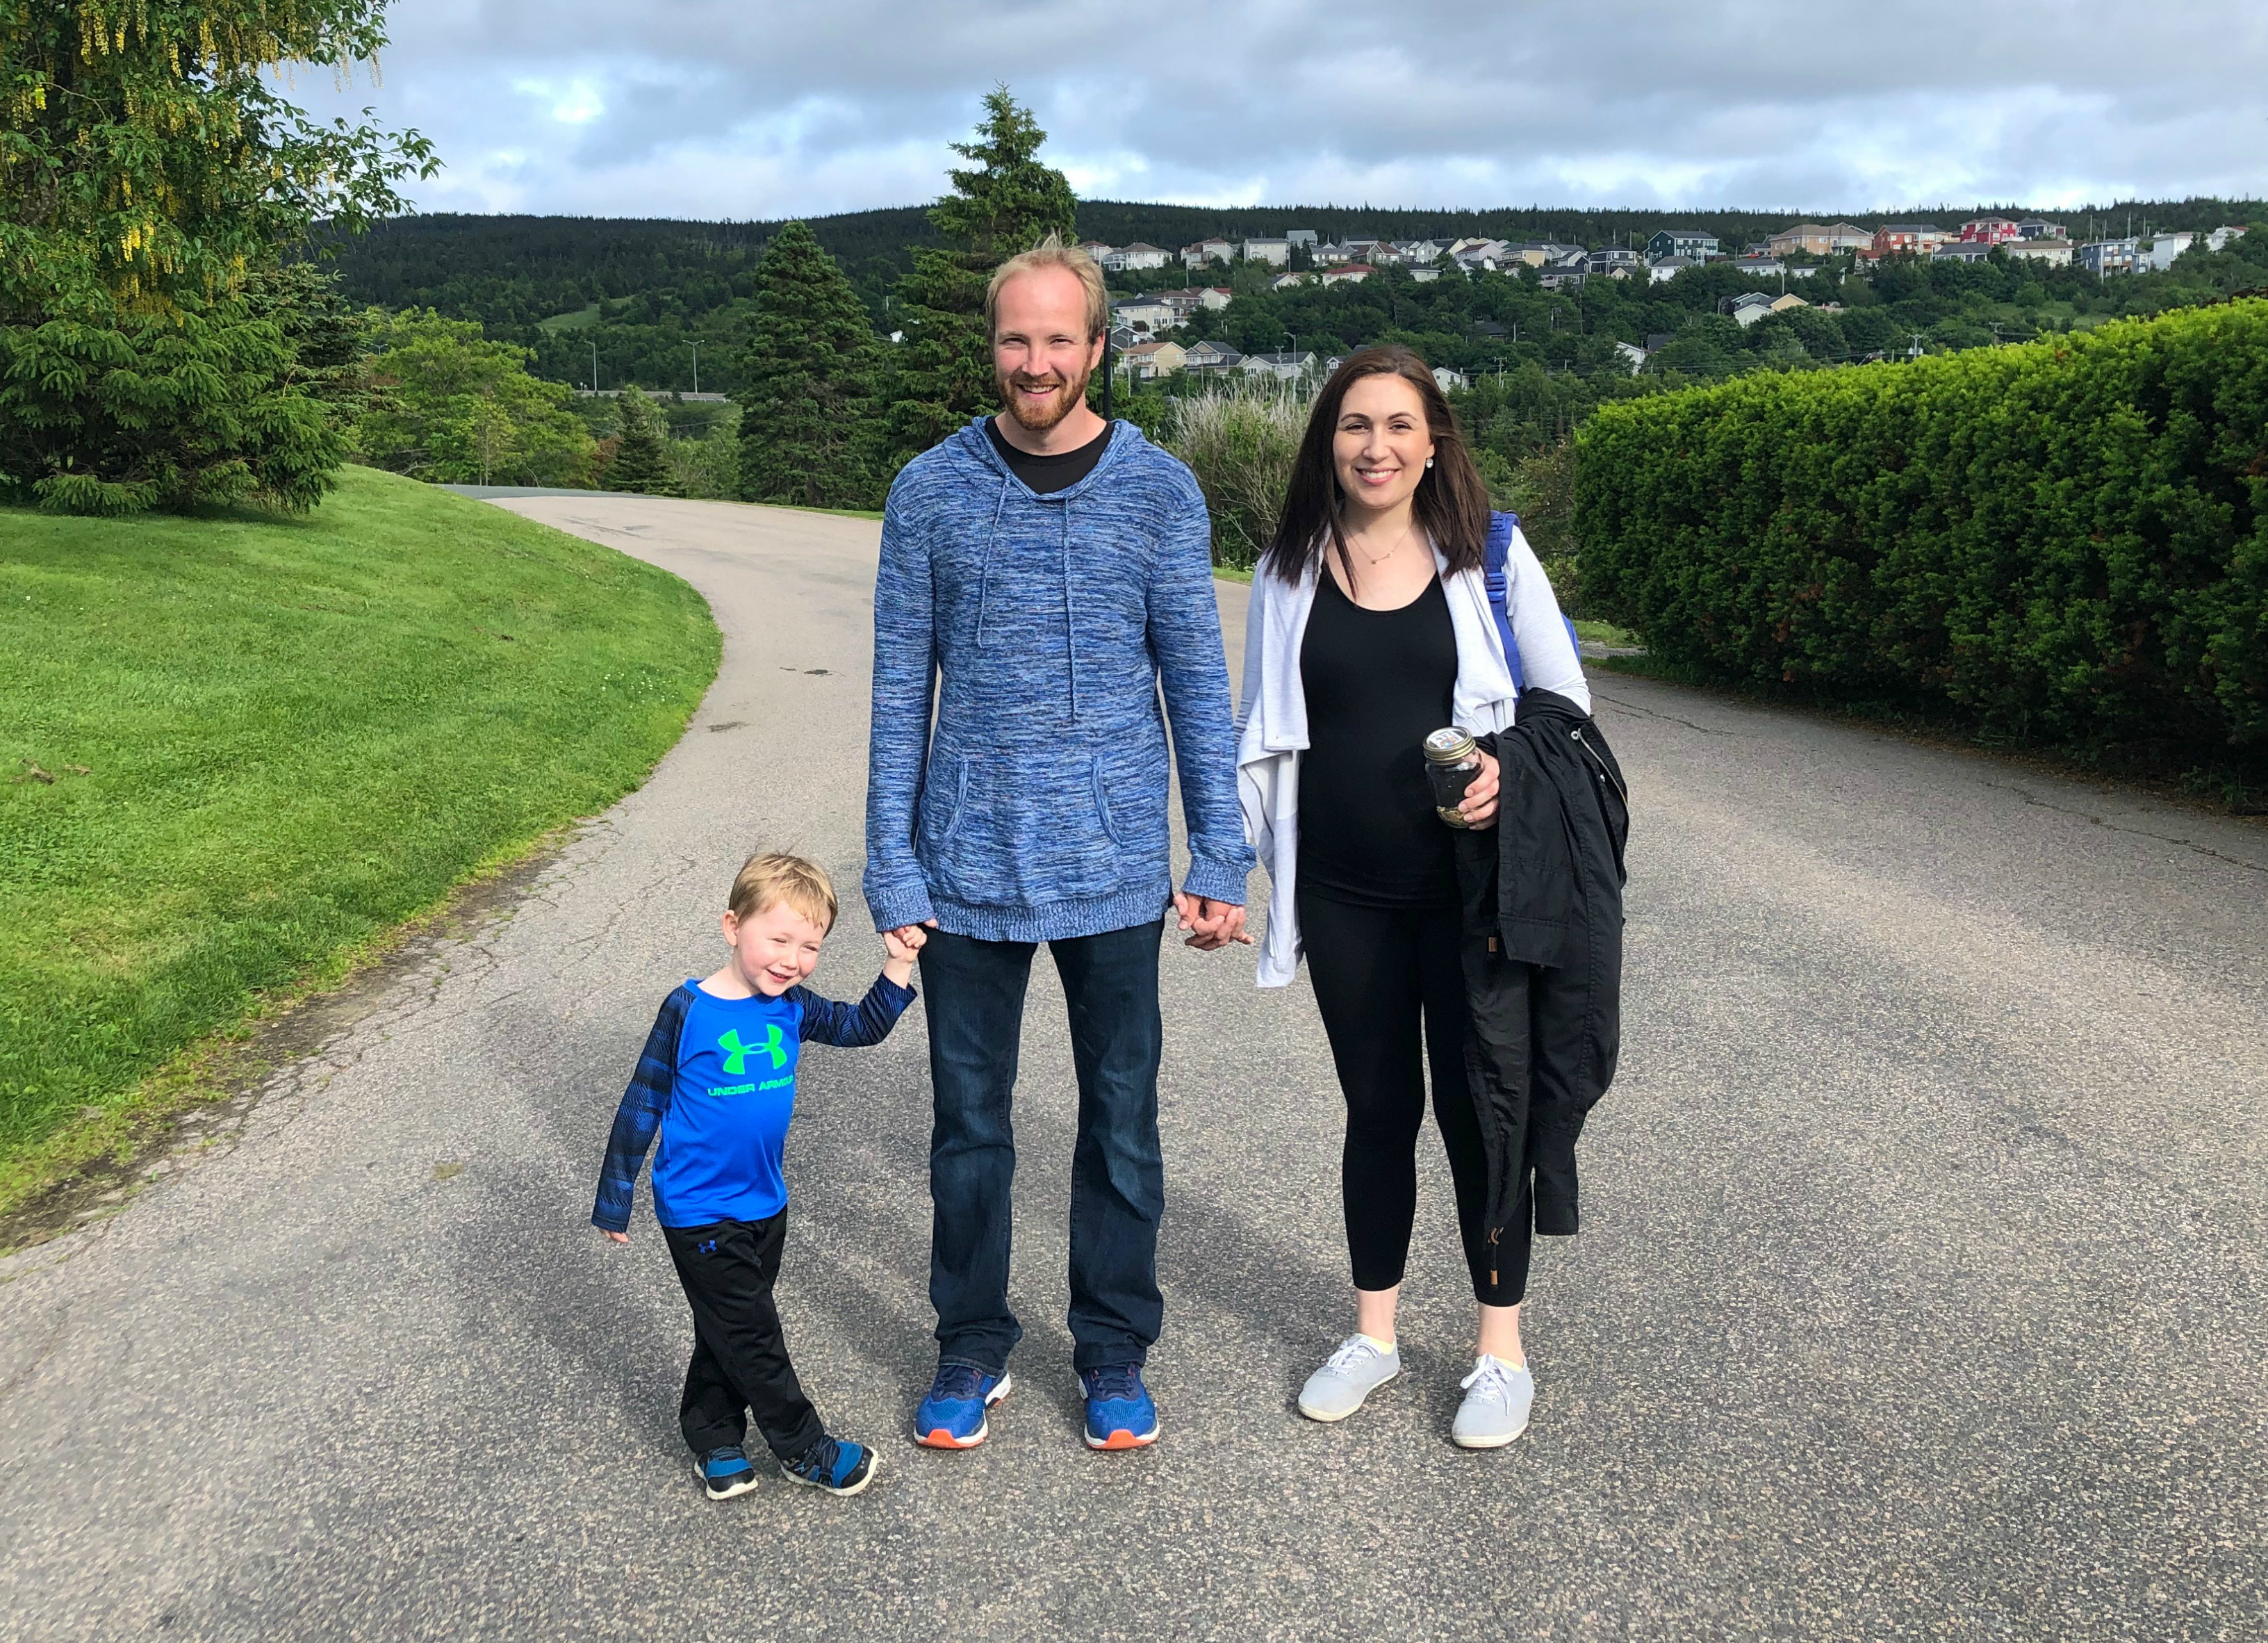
{"x":1019,"y":839}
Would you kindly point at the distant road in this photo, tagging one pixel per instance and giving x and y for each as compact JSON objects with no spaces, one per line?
{"x":1921,"y":1293}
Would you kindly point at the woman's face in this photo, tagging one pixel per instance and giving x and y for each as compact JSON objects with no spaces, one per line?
{"x":1382,"y":445}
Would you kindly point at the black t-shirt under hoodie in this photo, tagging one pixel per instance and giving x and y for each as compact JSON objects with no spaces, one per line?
{"x":1047,"y":475}
{"x":1378,"y":682}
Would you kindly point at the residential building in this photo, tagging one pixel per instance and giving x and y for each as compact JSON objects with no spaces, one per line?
{"x":2162,"y":251}
{"x":2103,"y":258}
{"x":1615,"y":262}
{"x":1630,"y":354}
{"x":1298,"y":276}
{"x":1328,"y":253}
{"x":1301,"y":237}
{"x":1964,"y":251}
{"x":1746,"y":308}
{"x":1448,"y":378}
{"x":1820,"y":240}
{"x":1146,"y":361}
{"x":1282,"y":367}
{"x":1347,"y":274}
{"x":1561,"y":278}
{"x":1757,"y":268}
{"x":1421,"y":252}
{"x":2040,"y":228}
{"x":2219,"y":238}
{"x":1782,"y":303}
{"x":2055,"y":253}
{"x":1215,"y":297}
{"x":1681,"y":242}
{"x":1135,"y":258}
{"x":1426,"y":275}
{"x":1204,"y":251}
{"x":1378,"y":253}
{"x":1991,"y":230}
{"x":1145,"y":314}
{"x":1096,"y":249}
{"x":1912,"y":239}
{"x":1669,"y":267}
{"x":1275,"y":253}
{"x":1122,"y":337}
{"x":1183,"y":303}
{"x":1211,"y":356}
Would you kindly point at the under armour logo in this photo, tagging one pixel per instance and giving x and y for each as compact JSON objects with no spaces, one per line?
{"x":736,"y":1053}
{"x":709,"y":1248}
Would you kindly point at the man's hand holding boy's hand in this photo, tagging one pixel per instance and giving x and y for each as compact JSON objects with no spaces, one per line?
{"x":901,"y":944}
{"x":617,"y":1237}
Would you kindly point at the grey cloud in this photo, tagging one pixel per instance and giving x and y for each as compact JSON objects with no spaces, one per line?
{"x":713,"y":109}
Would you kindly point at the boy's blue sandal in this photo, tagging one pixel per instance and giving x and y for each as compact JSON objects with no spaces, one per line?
{"x":953,"y":1415}
{"x":836,"y":1464}
{"x":1120,"y":1412}
{"x":726,"y":1472}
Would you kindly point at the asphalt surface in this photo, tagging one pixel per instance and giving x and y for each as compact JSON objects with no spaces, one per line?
{"x":1921,"y":1292}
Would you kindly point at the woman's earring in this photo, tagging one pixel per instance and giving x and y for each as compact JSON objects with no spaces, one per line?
{"x":1429,"y":461}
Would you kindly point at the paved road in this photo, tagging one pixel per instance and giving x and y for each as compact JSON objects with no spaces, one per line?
{"x":1922,"y":1294}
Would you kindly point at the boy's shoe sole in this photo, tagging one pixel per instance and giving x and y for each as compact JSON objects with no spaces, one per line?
{"x":940,"y":1439}
{"x":740,"y":1483}
{"x":874,"y":1464}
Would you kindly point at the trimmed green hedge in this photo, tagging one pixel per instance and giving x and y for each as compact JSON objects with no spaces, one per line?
{"x":2065,"y":542}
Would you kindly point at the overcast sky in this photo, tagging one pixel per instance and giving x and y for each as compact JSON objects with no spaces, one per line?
{"x":755,"y":108}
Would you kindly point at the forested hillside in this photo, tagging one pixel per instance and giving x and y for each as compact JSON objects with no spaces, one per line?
{"x":641,"y":293}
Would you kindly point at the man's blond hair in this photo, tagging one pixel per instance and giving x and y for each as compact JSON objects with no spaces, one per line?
{"x":1051,"y":253}
{"x":767,"y":879}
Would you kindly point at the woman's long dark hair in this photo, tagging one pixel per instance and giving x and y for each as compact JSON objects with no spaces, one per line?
{"x":1451,"y":504}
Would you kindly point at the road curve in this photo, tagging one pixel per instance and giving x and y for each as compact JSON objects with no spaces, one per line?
{"x":1920,"y":1293}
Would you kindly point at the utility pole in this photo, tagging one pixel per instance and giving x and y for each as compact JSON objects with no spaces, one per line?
{"x":696,"y":367}
{"x":594,"y":369}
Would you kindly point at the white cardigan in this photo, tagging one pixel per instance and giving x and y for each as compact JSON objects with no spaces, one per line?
{"x":1271,"y":727}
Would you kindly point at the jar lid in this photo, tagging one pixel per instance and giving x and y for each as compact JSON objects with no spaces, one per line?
{"x":1451,"y":745}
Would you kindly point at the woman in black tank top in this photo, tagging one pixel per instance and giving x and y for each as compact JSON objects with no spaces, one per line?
{"x":1383,"y":481}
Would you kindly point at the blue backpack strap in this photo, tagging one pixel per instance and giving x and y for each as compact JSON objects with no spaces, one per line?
{"x":1495,"y":571}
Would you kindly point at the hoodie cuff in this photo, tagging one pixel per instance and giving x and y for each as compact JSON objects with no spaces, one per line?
{"x":894,"y":910}
{"x":1217,"y":880}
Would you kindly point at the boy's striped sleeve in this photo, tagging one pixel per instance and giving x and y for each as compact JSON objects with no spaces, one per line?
{"x":640,"y":1116}
{"x":868,"y":1021}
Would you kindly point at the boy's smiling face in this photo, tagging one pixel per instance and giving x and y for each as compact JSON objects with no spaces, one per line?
{"x":774,"y":948}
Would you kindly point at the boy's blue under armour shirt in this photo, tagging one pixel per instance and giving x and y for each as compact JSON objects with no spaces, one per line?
{"x":717,"y":1081}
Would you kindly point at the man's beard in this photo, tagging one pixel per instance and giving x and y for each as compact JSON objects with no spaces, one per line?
{"x":1039,"y":422}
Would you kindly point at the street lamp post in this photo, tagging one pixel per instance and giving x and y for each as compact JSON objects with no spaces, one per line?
{"x":696,"y":367}
{"x":595,"y":368}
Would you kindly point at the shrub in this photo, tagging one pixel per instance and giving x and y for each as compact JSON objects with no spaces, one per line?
{"x":2066,"y":540}
{"x":1240,"y":444}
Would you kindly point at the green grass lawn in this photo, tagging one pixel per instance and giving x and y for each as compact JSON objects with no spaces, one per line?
{"x":238,"y":751}
{"x":576,"y":320}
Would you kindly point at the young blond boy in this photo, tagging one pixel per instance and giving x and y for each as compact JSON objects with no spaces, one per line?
{"x":716,"y":1083}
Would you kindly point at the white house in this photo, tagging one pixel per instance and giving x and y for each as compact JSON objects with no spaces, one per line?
{"x":1204,"y":251}
{"x":1327,"y":254}
{"x":1148,"y":314}
{"x":1215,"y":297}
{"x":1301,"y":237}
{"x":2219,"y":238}
{"x":1136,"y":257}
{"x":1211,"y":356}
{"x":1448,"y":378}
{"x":1285,"y":282}
{"x":2055,"y":254}
{"x":1275,"y":252}
{"x":1669,"y":267}
{"x":1282,"y":367}
{"x":1631,"y":354}
{"x":1746,"y":308}
{"x":2163,"y":249}
{"x":1425,"y":275}
{"x":1348,"y":274}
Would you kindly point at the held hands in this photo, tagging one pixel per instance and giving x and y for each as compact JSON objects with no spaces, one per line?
{"x":901,"y":944}
{"x":616,"y":1237}
{"x":1479,"y":807}
{"x":1216,"y":923}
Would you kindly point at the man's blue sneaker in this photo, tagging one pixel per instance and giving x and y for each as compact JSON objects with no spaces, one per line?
{"x":726,"y":1472}
{"x":1120,"y":1412}
{"x":953,"y":1415}
{"x":836,"y":1464}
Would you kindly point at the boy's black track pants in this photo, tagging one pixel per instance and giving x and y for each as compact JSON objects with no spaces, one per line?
{"x":740,"y":1363}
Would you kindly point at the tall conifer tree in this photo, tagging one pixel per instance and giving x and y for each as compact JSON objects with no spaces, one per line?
{"x":806,"y":423}
{"x":1006,"y":202}
{"x":640,"y":463}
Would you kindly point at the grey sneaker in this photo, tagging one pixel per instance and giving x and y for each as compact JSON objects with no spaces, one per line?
{"x":1498,"y":1398}
{"x":1357,"y":1369}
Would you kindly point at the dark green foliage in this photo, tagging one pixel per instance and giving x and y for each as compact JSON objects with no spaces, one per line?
{"x":807,"y":378}
{"x":1007,"y":202}
{"x":2064,"y":542}
{"x":640,"y":464}
{"x":444,"y":404}
{"x":139,"y":412}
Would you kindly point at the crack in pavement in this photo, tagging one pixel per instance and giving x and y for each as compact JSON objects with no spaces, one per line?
{"x":2030,"y":797}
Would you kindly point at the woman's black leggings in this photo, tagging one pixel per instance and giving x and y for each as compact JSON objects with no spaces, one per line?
{"x":1377,"y":972}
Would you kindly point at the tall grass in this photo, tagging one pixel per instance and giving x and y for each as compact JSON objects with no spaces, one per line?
{"x":1240,"y":444}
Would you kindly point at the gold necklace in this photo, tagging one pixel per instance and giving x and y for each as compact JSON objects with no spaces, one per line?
{"x":1399,"y":545}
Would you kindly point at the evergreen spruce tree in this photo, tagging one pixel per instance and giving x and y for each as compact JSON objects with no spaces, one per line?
{"x":806,"y":428}
{"x":1007,"y":202}
{"x":640,"y":463}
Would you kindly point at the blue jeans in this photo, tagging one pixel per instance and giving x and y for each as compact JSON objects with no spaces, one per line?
{"x":976,"y":999}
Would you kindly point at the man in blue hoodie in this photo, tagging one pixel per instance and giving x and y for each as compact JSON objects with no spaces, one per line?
{"x":1042,"y":574}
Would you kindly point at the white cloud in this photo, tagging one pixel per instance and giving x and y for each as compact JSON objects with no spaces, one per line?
{"x":705,"y":108}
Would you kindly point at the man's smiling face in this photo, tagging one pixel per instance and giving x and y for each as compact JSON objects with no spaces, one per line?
{"x":1041,"y":354}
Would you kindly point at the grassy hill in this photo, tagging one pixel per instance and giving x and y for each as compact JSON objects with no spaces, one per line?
{"x":241,"y":750}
